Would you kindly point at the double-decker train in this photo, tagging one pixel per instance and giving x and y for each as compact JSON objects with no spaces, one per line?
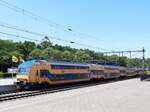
{"x":37,"y":72}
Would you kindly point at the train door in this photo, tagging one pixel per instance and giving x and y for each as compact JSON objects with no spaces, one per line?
{"x":100,"y":74}
{"x":37,"y":73}
{"x":41,"y":73}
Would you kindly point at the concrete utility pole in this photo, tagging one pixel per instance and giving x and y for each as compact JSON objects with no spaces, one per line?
{"x":143,"y":58}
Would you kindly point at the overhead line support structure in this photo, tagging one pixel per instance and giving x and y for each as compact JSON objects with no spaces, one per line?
{"x":130,"y":52}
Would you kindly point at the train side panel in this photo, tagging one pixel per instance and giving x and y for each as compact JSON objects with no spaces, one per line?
{"x":96,"y":72}
{"x":58,"y":74}
{"x":111,"y":72}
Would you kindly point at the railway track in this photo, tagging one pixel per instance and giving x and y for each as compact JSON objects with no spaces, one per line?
{"x":53,"y":89}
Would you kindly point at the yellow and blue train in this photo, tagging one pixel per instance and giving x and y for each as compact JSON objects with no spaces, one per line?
{"x":35,"y":72}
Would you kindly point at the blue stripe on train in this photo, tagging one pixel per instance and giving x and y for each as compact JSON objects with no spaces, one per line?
{"x":46,"y":74}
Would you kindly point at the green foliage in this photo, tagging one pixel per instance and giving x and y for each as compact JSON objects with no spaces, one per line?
{"x":45,"y":43}
{"x":46,"y":50}
{"x":25,"y":48}
{"x":35,"y":54}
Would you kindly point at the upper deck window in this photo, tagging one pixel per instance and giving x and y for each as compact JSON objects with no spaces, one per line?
{"x":68,"y":67}
{"x":109,"y":68}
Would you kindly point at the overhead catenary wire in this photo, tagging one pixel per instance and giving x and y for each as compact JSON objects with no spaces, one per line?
{"x":31,"y":32}
{"x":18,"y":36}
{"x":42,"y":19}
{"x":43,"y":35}
{"x":40,"y":34}
{"x":33,"y":16}
{"x":46,"y":21}
{"x":39,"y":18}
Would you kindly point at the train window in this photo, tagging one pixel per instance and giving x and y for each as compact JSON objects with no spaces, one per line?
{"x":23,"y":71}
{"x":68,"y":67}
{"x":97,"y":72}
{"x":44,"y":73}
{"x":110,"y":68}
{"x":100,"y":72}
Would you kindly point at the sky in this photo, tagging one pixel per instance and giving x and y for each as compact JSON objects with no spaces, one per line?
{"x":105,"y":25}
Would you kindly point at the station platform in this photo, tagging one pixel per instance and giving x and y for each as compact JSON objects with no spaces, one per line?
{"x":7,"y":81}
{"x":122,"y":96}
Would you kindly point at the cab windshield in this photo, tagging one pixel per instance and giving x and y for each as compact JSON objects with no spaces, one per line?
{"x":23,"y":71}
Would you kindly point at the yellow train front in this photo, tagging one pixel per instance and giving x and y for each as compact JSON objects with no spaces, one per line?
{"x":37,"y":72}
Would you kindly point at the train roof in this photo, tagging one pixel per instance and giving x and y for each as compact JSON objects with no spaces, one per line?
{"x":120,"y":67}
{"x":68,"y":63}
{"x":95,"y":65}
{"x":113,"y":67}
{"x":29,"y":63}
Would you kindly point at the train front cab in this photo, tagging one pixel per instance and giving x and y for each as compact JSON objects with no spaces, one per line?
{"x":29,"y":73}
{"x":22,"y":77}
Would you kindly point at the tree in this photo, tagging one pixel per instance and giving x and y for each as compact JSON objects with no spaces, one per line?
{"x":147,"y":62}
{"x":37,"y":54}
{"x":25,"y":48}
{"x":82,"y":56}
{"x":49,"y":53}
{"x":57,"y":55}
{"x":45,"y":43}
{"x":123,"y":61}
{"x":67,"y":56}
